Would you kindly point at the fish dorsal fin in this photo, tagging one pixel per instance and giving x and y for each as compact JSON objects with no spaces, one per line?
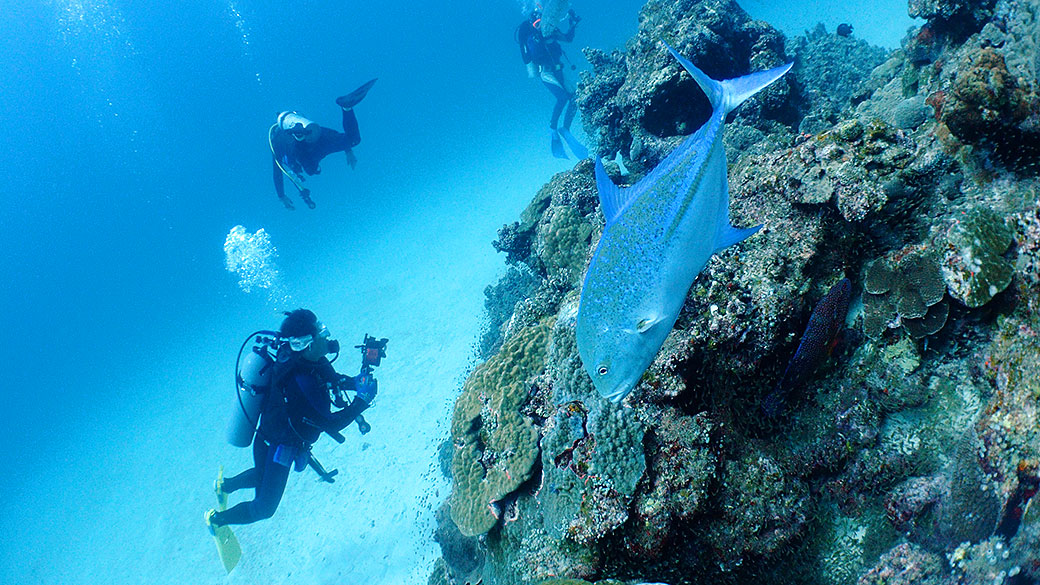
{"x":612,"y":199}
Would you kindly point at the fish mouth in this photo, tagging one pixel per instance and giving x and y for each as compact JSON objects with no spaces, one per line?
{"x":620,"y":391}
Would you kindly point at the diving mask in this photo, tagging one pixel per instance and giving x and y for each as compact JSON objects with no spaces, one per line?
{"x":301,"y":343}
{"x":304,"y":341}
{"x":302,"y":133}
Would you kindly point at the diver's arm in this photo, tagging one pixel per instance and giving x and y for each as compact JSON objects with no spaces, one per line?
{"x":569,"y":35}
{"x":566,"y":36}
{"x":339,"y":420}
{"x":320,"y":404}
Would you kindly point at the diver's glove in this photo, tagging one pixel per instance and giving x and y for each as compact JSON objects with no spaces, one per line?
{"x":574,"y":18}
{"x":366,"y":387}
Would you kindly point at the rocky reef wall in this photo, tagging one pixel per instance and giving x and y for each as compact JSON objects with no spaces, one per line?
{"x":910,"y":454}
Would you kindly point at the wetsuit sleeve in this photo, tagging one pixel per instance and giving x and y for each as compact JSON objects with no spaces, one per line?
{"x":319,"y":401}
{"x":566,"y":37}
{"x":341,"y":418}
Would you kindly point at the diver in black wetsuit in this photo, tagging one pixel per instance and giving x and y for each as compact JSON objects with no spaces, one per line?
{"x":542,"y":54}
{"x":298,"y":144}
{"x":295,"y":411}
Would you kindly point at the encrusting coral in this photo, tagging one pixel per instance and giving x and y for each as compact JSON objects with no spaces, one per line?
{"x":974,"y":267}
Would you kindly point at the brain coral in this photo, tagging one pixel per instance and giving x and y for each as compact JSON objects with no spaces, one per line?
{"x":496,"y":447}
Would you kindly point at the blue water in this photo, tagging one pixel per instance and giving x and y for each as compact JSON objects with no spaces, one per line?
{"x":134,"y":139}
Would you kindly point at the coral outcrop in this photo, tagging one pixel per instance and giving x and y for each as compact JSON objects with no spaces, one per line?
{"x":643,"y":111}
{"x":496,"y":446}
{"x":911,"y":454}
{"x":974,"y":267}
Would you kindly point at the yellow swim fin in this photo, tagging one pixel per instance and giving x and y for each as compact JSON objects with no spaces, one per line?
{"x":227,"y":545}
{"x":218,"y":487}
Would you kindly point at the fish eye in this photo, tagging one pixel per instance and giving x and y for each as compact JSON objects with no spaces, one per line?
{"x":602,"y":370}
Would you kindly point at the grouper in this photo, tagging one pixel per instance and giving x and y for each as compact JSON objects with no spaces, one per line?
{"x":659,"y":234}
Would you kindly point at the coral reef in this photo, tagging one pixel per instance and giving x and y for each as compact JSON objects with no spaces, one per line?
{"x":984,"y":92}
{"x":495,"y":445}
{"x":985,"y":100}
{"x":907,"y":564}
{"x":591,"y":462}
{"x":952,"y":17}
{"x":462,"y":557}
{"x":831,"y":69}
{"x":764,"y":507}
{"x":682,"y":468}
{"x":910,"y":454}
{"x":500,"y":299}
{"x":850,"y":165}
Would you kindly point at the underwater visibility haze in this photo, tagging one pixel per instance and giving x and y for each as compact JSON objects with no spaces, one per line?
{"x":847,"y":396}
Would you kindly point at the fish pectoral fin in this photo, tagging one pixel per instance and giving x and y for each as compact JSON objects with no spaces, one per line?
{"x":647,"y":324}
{"x":612,"y":199}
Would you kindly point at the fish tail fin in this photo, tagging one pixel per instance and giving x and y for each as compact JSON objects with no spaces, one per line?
{"x":730,"y":93}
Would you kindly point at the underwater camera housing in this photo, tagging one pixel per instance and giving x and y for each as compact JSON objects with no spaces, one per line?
{"x":372,"y":352}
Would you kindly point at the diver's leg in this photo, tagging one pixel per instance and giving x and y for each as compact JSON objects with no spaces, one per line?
{"x":249,"y":478}
{"x":554,"y":119}
{"x":554,"y":83}
{"x":571,"y":110}
{"x":352,"y":134}
{"x":269,"y":490}
{"x":351,"y":99}
{"x":350,"y":128}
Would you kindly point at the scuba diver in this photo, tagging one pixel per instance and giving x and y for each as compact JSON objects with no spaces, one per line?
{"x":542,"y":54}
{"x":291,"y":394}
{"x":298,"y":145}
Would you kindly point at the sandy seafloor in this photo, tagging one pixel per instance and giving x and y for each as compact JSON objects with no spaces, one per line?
{"x":115,"y":437}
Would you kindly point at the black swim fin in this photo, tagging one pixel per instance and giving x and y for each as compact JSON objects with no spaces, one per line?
{"x":351,"y":99}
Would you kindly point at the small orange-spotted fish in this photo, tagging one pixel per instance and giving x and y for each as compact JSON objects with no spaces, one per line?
{"x":817,"y":343}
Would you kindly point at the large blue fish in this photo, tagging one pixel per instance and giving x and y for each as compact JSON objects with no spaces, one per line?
{"x":659,"y":234}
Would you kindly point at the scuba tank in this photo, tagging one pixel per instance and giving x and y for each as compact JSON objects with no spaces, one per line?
{"x":522,"y":35}
{"x":253,"y":374}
